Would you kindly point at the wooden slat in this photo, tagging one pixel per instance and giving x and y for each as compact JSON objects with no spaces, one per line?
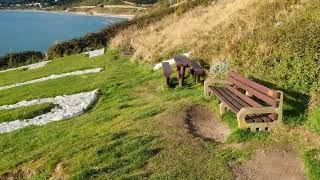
{"x":225,"y":100}
{"x":245,"y":98}
{"x":258,"y":94}
{"x":254,"y":117}
{"x":230,"y":98}
{"x":267,"y":91}
{"x":248,"y":100}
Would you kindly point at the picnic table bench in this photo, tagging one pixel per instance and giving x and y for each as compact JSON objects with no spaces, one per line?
{"x":183,"y":62}
{"x":256,"y":106}
{"x":196,"y":70}
{"x":166,"y":72}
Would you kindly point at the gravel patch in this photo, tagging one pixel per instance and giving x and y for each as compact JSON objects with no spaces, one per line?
{"x":53,"y":76}
{"x":66,"y":107}
{"x":29,"y":67}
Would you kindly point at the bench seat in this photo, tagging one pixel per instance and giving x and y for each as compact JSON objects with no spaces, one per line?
{"x":257,"y":107}
{"x":236,"y":104}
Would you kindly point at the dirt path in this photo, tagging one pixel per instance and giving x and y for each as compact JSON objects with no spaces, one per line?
{"x":202,"y":122}
{"x":278,"y":162}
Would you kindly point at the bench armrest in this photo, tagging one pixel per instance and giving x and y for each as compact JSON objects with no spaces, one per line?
{"x":211,"y":81}
{"x":252,"y":110}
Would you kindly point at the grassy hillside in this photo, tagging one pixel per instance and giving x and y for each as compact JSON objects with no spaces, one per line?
{"x":123,"y":136}
{"x":137,"y":129}
{"x":141,"y":129}
{"x":274,"y":42}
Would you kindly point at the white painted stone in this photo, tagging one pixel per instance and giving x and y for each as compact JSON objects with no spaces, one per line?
{"x":66,"y":107}
{"x":53,"y":76}
{"x":170,"y":61}
{"x":95,"y":53}
{"x":29,"y":67}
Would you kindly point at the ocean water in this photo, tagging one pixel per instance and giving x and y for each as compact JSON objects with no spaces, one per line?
{"x":21,"y":31}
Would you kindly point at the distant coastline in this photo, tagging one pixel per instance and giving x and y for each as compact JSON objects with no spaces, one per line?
{"x":124,"y":16}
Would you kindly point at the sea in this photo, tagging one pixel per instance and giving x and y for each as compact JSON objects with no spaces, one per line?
{"x":36,"y":31}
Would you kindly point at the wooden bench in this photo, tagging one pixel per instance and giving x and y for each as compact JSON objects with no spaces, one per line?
{"x":166,"y":72}
{"x":196,"y":71}
{"x":256,"y":106}
{"x":182,"y":62}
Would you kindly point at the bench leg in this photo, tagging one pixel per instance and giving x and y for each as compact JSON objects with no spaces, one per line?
{"x":181,"y":76}
{"x":223,"y":109}
{"x":198,"y":78}
{"x":242,"y":123}
{"x":167,"y":79}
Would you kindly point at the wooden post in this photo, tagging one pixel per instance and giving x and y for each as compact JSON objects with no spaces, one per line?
{"x":178,"y":70}
{"x":181,"y":76}
{"x":167,"y":79}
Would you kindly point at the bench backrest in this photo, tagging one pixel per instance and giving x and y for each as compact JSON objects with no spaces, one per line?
{"x":261,"y":92}
{"x":166,"y":69}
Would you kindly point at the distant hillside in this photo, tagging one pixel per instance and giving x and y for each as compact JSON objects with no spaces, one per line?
{"x":82,"y":2}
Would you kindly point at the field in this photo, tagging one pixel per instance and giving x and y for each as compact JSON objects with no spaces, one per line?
{"x":137,"y":128}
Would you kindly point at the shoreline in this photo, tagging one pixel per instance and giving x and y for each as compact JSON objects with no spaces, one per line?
{"x":123,"y":16}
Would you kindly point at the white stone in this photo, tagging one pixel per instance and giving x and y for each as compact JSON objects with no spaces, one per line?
{"x":170,"y":61}
{"x":53,"y":76}
{"x":66,"y":107}
{"x":95,"y":53}
{"x":29,"y":67}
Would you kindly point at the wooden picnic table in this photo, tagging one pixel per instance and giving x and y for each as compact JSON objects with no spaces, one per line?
{"x":182,"y":62}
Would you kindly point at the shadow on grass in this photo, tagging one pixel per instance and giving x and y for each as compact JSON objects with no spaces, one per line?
{"x":295,"y":104}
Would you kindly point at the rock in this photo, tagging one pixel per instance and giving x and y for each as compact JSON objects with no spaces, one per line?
{"x":66,"y":107}
{"x":279,"y":24}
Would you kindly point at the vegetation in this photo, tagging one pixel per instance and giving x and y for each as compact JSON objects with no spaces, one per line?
{"x":134,"y":131}
{"x":312,"y":163}
{"x":102,"y":38}
{"x":54,"y":67}
{"x":278,"y":45}
{"x":24,"y":112}
{"x":132,"y":128}
{"x":12,"y":60}
{"x":130,"y":133}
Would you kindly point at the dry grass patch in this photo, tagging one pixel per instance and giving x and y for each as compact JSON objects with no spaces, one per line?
{"x":208,"y":32}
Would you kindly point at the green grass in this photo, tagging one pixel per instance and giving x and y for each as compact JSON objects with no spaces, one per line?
{"x":312,"y":163}
{"x":246,"y":135}
{"x":24,"y":112}
{"x":130,"y":133}
{"x":314,"y":119}
{"x":127,"y":134}
{"x":57,"y":66}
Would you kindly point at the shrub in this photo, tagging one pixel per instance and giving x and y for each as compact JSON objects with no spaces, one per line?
{"x":102,"y":38}
{"x":12,"y":60}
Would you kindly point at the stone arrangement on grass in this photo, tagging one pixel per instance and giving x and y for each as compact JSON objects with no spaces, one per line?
{"x":29,"y":67}
{"x":95,"y":53}
{"x":66,"y":107}
{"x":53,"y":76}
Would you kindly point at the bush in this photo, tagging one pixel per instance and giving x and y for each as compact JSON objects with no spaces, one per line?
{"x":101,"y":39}
{"x":12,"y":60}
